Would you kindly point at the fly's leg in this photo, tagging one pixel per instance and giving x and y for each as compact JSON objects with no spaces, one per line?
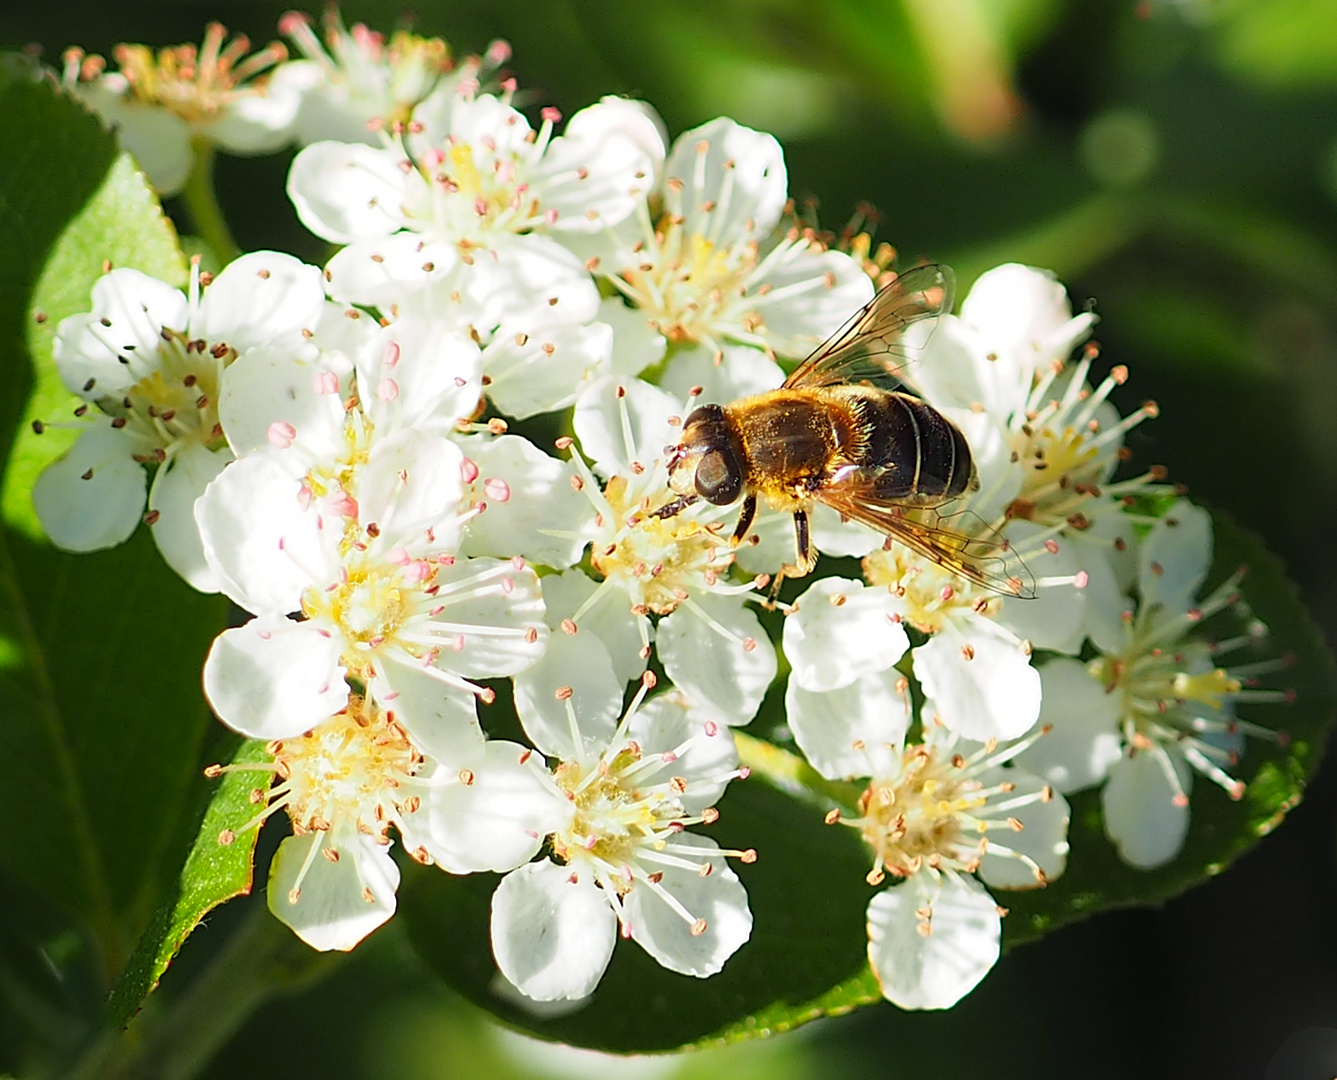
{"x":744,"y":520}
{"x":681,"y":503}
{"x":803,"y":565}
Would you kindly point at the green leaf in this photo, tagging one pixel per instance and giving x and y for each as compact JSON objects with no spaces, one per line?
{"x":806,"y":957}
{"x":213,"y":874}
{"x":100,"y":655}
{"x":123,"y":225}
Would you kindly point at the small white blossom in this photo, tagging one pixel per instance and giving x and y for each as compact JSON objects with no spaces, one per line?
{"x":351,"y":513}
{"x":673,"y":567}
{"x":701,"y":266}
{"x":352,"y":776}
{"x":1144,"y":717}
{"x":621,"y":858}
{"x":151,"y":362}
{"x":480,"y":193}
{"x":355,"y":83}
{"x":934,"y":814}
{"x":160,"y":102}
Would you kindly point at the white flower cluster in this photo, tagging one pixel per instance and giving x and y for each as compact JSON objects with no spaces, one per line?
{"x":330,"y":448}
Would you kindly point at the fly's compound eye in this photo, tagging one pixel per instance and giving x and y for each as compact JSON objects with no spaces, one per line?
{"x":719,"y":480}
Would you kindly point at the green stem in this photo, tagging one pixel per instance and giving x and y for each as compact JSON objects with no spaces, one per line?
{"x":202,"y":202}
{"x":175,"y":1039}
{"x":791,"y":773}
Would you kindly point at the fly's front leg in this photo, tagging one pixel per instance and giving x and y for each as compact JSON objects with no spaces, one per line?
{"x":744,"y":520}
{"x":681,"y":503}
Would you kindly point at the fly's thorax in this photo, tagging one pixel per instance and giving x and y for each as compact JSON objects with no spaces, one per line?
{"x":787,"y":440}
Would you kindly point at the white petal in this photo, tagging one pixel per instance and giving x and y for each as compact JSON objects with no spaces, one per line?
{"x":493,"y":816}
{"x":441,"y":720}
{"x":740,"y":170}
{"x":137,"y":307}
{"x":176,"y":487}
{"x":842,"y":630}
{"x":609,"y":618}
{"x":548,"y":371}
{"x":158,"y":138}
{"x":272,"y":385}
{"x":1142,"y":817}
{"x":532,"y":509}
{"x":816,"y":293}
{"x":345,"y":192}
{"x":257,"y":536}
{"x":522,"y":274}
{"x":1084,"y":740}
{"x":419,"y":373}
{"x":595,"y":175}
{"x":404,"y":274}
{"x":274,"y":678}
{"x":1174,"y":558}
{"x":1043,"y":836}
{"x":486,"y":655}
{"x":551,"y":938}
{"x":993,"y":694}
{"x":719,"y":898}
{"x":727,"y":672}
{"x":1054,"y":618}
{"x":410,"y":488}
{"x":702,"y":751}
{"x":743,"y":370}
{"x":938,"y":969}
{"x":332,"y":909}
{"x":1025,"y":311}
{"x":580,"y":663}
{"x":855,"y":731}
{"x":637,"y":342}
{"x":620,"y":421}
{"x":262,"y":298}
{"x":101,"y":511}
{"x":258,"y":122}
{"x":631,"y":119}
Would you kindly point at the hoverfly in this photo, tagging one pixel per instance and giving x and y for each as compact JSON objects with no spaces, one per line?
{"x":837,"y":433}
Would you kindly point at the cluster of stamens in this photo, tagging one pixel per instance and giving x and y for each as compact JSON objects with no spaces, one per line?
{"x":1175,"y":694}
{"x":1065,"y":452}
{"x":697,"y":285}
{"x":935,"y":812}
{"x":629,"y":822}
{"x":195,"y":82}
{"x":355,"y":773}
{"x":929,"y":594}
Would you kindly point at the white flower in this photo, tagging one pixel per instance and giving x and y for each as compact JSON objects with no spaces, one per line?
{"x":675,"y":567}
{"x":1142,"y":718}
{"x":622,"y":860}
{"x":934,"y":814}
{"x":350,"y":513}
{"x":356,"y":83}
{"x":479,"y":193}
{"x":160,"y":103}
{"x":1046,"y":444}
{"x":352,"y":776}
{"x":152,"y":360}
{"x":700,"y":263}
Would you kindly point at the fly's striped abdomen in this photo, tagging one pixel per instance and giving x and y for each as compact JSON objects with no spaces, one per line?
{"x":917,"y":453}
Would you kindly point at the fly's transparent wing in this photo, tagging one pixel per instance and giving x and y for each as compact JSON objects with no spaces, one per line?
{"x":868,"y":348}
{"x":959,"y":541}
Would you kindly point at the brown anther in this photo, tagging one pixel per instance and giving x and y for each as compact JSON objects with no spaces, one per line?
{"x":467,"y":777}
{"x":563,"y":693}
{"x":569,"y":626}
{"x":226,"y":837}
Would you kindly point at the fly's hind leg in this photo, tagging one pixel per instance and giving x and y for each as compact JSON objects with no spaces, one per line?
{"x":803,"y":564}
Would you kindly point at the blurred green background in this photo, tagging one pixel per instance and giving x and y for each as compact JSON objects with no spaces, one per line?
{"x":1175,"y":162}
